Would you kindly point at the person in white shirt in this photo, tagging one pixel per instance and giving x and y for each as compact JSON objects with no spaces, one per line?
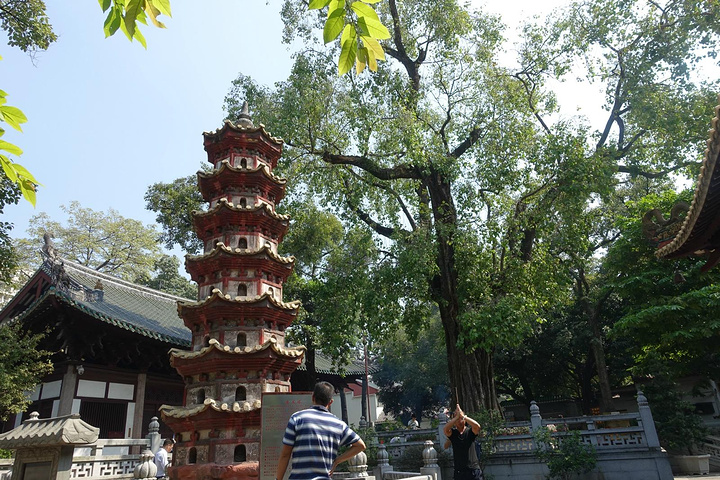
{"x":413,"y":423}
{"x":161,"y":458}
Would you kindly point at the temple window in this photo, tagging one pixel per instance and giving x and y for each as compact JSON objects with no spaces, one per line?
{"x":271,"y":292}
{"x":241,"y":340}
{"x":242,"y":242}
{"x":200,"y":396}
{"x":239,"y":455}
{"x":242,"y":290}
{"x":192,"y":455}
{"x":240,"y":394}
{"x":243,"y":163}
{"x":243,"y":202}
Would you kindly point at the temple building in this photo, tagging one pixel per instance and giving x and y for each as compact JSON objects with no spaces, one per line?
{"x":238,"y":324}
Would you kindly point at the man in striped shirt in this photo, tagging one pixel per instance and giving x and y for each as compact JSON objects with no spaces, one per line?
{"x":313,"y":437}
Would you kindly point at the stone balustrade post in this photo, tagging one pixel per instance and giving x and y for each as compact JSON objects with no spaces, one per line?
{"x":430,"y":465}
{"x":357,"y":465}
{"x":154,"y":435}
{"x":383,"y":462}
{"x":535,"y":418}
{"x":648,"y":424}
{"x":146,"y":469}
{"x":442,"y":420}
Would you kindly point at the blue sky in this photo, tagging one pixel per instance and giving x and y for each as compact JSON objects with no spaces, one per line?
{"x":108,"y":118}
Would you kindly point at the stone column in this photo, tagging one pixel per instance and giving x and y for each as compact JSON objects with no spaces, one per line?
{"x":154,"y":435}
{"x":442,"y":420}
{"x":67,"y":391}
{"x":139,"y":405}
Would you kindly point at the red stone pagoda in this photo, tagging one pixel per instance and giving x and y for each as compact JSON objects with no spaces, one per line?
{"x":238,"y":323}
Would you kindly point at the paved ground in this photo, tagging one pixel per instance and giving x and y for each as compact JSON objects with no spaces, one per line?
{"x":710,"y":476}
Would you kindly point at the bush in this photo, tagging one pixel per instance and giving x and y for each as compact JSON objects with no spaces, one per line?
{"x":564,"y":454}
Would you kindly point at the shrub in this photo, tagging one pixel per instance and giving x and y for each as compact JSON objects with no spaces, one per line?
{"x":564,"y":454}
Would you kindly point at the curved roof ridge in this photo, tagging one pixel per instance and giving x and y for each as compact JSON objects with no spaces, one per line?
{"x":294,"y":305}
{"x":220,"y":247}
{"x":120,"y":282}
{"x":706,"y":173}
{"x":224,"y":203}
{"x":225,"y":165}
{"x":215,"y":345}
{"x":227,"y":124}
{"x":210,"y":403}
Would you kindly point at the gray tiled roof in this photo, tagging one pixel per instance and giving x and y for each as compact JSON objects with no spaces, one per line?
{"x":143,"y":310}
{"x":136,"y":308}
{"x":35,"y":432}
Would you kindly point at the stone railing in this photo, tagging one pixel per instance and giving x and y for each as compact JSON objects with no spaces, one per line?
{"x":107,"y":459}
{"x":626,"y":445}
{"x":711,"y":446}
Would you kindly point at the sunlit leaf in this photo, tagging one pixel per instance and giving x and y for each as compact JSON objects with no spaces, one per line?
{"x":334,"y":25}
{"x":361,"y":60}
{"x":140,"y":38}
{"x":373,"y":28}
{"x":104,"y":4}
{"x":28,"y":191}
{"x":317,"y":4}
{"x":7,"y":167}
{"x":364,"y":11}
{"x":374,"y":45}
{"x":348,"y":53}
{"x":13,"y":116}
{"x":10,"y":148}
{"x":162,"y":5}
{"x":24,"y":173}
{"x":131,"y":13}
{"x":112,"y":22}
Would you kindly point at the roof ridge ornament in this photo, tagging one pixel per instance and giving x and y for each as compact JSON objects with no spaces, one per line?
{"x":244,"y":119}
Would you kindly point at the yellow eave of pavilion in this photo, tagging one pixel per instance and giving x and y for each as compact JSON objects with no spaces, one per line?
{"x":706,"y":172}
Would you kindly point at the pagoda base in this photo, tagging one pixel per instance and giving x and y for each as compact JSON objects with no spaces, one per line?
{"x":214,"y":471}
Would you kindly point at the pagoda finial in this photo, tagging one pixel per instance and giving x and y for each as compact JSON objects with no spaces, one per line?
{"x":244,"y":120}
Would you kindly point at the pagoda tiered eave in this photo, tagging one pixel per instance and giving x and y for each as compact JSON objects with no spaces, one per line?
{"x":212,"y":414}
{"x":267,"y":357}
{"x":225,"y":258}
{"x":227,"y":176}
{"x":218,"y":306}
{"x":225,"y":214}
{"x":235,"y":135}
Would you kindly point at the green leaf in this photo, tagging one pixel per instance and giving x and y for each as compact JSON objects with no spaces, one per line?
{"x":13,"y":116}
{"x":374,"y":45}
{"x":10,"y":148}
{"x":104,"y":4}
{"x":373,"y":28}
{"x":364,"y":11}
{"x":162,"y":5}
{"x":371,"y":1}
{"x":28,"y":191}
{"x":334,"y":25}
{"x":3,"y":93}
{"x":334,"y":5}
{"x":24,"y":173}
{"x":153,"y":13}
{"x":361,"y":60}
{"x":132,"y":8}
{"x":140,"y":38}
{"x":348,"y":53}
{"x":7,"y":167}
{"x":317,"y":4}
{"x":112,"y":22}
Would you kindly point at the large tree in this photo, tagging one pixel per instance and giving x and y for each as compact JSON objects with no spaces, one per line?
{"x":104,"y":241}
{"x":459,"y":164}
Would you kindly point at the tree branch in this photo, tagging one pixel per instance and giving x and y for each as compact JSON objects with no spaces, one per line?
{"x":366,"y":164}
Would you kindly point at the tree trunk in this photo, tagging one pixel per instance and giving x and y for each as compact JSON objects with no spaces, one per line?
{"x":471,"y":372}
